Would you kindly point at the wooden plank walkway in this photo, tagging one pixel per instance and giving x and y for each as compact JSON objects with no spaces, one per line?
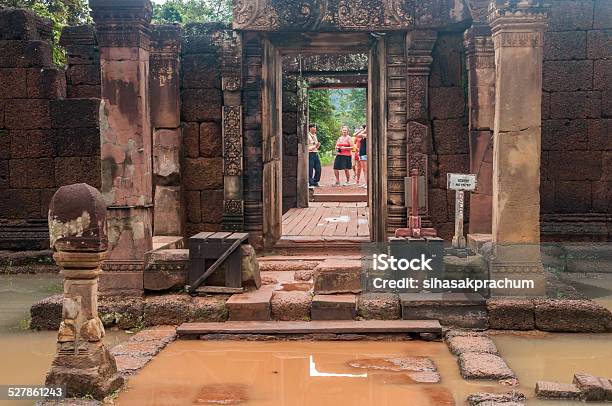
{"x":311,"y":327}
{"x":329,"y":219}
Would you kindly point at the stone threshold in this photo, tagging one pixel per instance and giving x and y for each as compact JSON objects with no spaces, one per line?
{"x":310,"y":327}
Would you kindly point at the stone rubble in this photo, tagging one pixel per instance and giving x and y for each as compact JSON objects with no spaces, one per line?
{"x":134,"y":354}
{"x":497,"y":399}
{"x":554,"y":390}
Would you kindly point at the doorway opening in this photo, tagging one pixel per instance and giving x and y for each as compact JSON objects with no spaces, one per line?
{"x":301,"y":74}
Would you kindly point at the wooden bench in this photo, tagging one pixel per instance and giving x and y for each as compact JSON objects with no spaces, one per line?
{"x":207,"y":252}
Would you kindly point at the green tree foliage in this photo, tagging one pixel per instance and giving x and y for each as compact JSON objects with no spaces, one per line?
{"x":330,"y":109}
{"x":61,"y":13}
{"x":193,"y":11}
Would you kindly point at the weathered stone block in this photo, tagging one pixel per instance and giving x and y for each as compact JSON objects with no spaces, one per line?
{"x":31,"y":143}
{"x":168,"y":218}
{"x":564,"y":45}
{"x":24,"y":54}
{"x":602,"y":74}
{"x":599,"y":44}
{"x":293,"y":305}
{"x":337,"y":276}
{"x":580,"y":316}
{"x":46,"y":83}
{"x":563,"y":135}
{"x":22,"y":24}
{"x":32,"y":173}
{"x":334,"y":307}
{"x":27,"y":114}
{"x":46,"y":314}
{"x":252,"y":305}
{"x":201,"y":71}
{"x":210,"y":140}
{"x":602,"y":16}
{"x":572,"y":196}
{"x":602,"y":196}
{"x":511,"y":314}
{"x":211,"y":208}
{"x":166,"y":309}
{"x":473,"y":365}
{"x":577,"y":165}
{"x":590,"y":387}
{"x":191,"y":140}
{"x":446,"y":102}
{"x":82,"y":54}
{"x":69,"y":170}
{"x":13,"y":83}
{"x":203,"y":173}
{"x":75,"y":113}
{"x":209,"y":309}
{"x":513,"y":398}
{"x":463,"y":344}
{"x":201,"y":105}
{"x":466,"y":310}
{"x":83,"y":74}
{"x":571,"y":15}
{"x":83,"y":91}
{"x":453,"y":164}
{"x":567,"y":76}
{"x":20,"y":203}
{"x":450,"y":136}
{"x":4,"y":174}
{"x":123,"y":312}
{"x":379,"y":306}
{"x":192,"y":206}
{"x":77,"y":142}
{"x":167,"y":156}
{"x":575,"y":105}
{"x":554,"y":390}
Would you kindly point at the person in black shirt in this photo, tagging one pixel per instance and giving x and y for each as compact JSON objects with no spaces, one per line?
{"x":363,"y":154}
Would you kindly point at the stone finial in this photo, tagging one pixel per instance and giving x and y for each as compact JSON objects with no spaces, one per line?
{"x":77,"y":219}
{"x":77,"y":230}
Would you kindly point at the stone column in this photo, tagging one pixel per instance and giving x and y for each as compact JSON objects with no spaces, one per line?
{"x":122,"y":29}
{"x":231,"y":84}
{"x":419,"y":44}
{"x":77,"y":229}
{"x":164,"y":82}
{"x":481,"y":104}
{"x":518,"y":33}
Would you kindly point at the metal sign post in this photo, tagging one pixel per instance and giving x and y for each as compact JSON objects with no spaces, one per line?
{"x":460,"y":183}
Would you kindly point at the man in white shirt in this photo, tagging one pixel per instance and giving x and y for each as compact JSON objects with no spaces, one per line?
{"x":314,"y":163}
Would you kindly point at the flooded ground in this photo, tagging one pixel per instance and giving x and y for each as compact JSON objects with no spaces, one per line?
{"x":26,"y":355}
{"x":307,"y":373}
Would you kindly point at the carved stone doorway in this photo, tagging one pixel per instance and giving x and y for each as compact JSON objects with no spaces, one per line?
{"x":273,"y":47}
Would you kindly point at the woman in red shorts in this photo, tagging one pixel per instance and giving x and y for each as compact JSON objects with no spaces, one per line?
{"x":344,"y":148}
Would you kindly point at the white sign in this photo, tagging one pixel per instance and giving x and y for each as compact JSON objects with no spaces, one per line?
{"x":460,"y":181}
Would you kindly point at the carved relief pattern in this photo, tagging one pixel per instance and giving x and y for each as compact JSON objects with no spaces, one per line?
{"x":417,"y":150}
{"x":232,"y":207}
{"x":518,"y":39}
{"x":315,"y":14}
{"x":417,"y":97}
{"x":232,"y":140}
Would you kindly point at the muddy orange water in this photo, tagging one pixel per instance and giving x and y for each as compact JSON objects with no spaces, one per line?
{"x":317,"y":373}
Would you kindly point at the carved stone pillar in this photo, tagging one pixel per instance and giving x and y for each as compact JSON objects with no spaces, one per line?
{"x":419,"y":44}
{"x":481,"y":104}
{"x":164,"y":83}
{"x":231,"y":83}
{"x":518,"y":34}
{"x":77,"y":229}
{"x":122,"y":29}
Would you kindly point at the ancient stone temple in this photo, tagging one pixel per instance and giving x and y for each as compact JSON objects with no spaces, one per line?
{"x":202,"y":127}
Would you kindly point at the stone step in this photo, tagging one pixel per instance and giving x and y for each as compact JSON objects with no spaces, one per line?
{"x":334,"y":307}
{"x":306,"y":245}
{"x":253,"y":305}
{"x":334,"y":276}
{"x":468,"y":310}
{"x":340,"y":197}
{"x":186,"y":330}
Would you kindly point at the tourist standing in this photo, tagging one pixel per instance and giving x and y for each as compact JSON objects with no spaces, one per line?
{"x":344,"y":147}
{"x":356,"y":165}
{"x":314,"y":162}
{"x":363,"y":154}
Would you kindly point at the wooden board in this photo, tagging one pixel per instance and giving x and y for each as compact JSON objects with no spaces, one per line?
{"x":328,"y":219}
{"x":309,"y":327}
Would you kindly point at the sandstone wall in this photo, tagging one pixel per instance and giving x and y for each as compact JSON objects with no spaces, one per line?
{"x":46,"y":141}
{"x":576,"y":186}
{"x":448,"y":114}
{"x":201,"y":101}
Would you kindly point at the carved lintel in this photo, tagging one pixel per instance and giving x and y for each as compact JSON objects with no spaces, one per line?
{"x":479,"y":47}
{"x":166,"y":41}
